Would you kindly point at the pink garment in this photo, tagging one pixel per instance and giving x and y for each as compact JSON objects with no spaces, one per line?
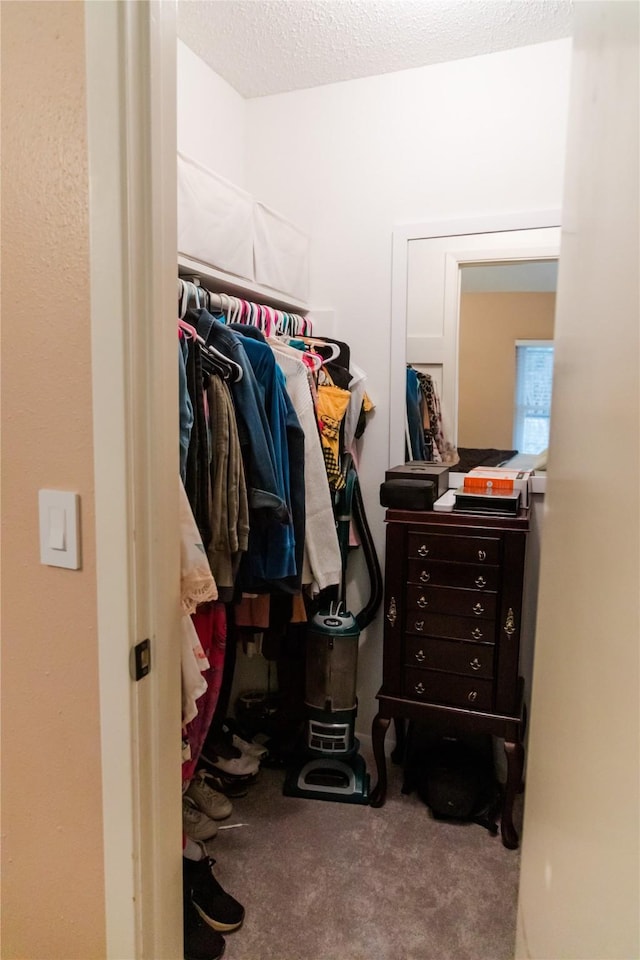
{"x":210,"y":622}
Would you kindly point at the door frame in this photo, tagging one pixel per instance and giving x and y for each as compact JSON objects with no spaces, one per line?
{"x":448,"y":290}
{"x":131,"y":97}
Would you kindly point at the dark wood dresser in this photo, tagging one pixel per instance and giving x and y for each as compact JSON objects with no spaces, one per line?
{"x":453,"y":604}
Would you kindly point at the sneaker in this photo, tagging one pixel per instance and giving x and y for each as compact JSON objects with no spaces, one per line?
{"x":209,"y":801}
{"x":201,"y":942}
{"x":216,"y":907}
{"x":245,"y":746}
{"x":234,"y":787}
{"x":221,"y":745}
{"x":196,"y":824}
{"x":249,"y":749}
{"x":241,"y":766}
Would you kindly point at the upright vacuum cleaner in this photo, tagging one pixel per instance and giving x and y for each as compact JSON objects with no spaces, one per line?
{"x":333,"y":768}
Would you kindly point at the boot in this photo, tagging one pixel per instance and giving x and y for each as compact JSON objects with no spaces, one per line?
{"x":216,"y":907}
{"x":200,"y":941}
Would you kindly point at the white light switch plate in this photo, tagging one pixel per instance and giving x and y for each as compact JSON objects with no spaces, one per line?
{"x":59,"y":528}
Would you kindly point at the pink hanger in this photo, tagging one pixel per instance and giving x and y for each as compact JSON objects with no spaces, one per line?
{"x":188,"y":329}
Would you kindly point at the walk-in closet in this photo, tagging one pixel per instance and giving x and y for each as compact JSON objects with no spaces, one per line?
{"x":289,"y":200}
{"x":319,"y":620}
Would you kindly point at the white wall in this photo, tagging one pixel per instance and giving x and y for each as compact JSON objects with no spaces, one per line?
{"x":579,"y":890}
{"x":211,"y":117}
{"x":350,"y":161}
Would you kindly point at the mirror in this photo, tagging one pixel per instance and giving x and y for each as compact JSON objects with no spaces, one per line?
{"x":505,"y":355}
{"x":442,"y":275}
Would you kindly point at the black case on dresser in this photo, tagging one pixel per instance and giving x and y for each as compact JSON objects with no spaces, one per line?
{"x":453,"y":605}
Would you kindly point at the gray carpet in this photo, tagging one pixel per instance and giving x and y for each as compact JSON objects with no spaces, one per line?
{"x":333,"y":881}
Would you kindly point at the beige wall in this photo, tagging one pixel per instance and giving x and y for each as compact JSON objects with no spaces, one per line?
{"x":579,"y":888}
{"x":489,"y":324}
{"x":52,"y":869}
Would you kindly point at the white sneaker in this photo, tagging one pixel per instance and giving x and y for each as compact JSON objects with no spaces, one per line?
{"x":242,"y":766}
{"x":249,"y":749}
{"x":196,"y":824}
{"x":209,"y":801}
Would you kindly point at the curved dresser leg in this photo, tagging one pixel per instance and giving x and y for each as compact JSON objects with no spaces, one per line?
{"x":515,"y":762}
{"x":378,"y":733}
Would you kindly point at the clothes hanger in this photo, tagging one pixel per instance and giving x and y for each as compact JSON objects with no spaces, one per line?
{"x":318,"y":342}
{"x":188,"y":329}
{"x":234,"y":368}
{"x":312,"y":360}
{"x":225,"y":306}
{"x":222,"y":364}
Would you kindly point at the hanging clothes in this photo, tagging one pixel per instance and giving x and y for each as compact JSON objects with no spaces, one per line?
{"x":442,"y":450}
{"x":185,"y":406}
{"x":289,"y":441}
{"x":321,"y":559}
{"x":210,"y":625}
{"x":197,"y":482}
{"x":196,"y":586}
{"x":414,"y":417}
{"x":253,"y":429}
{"x":229,"y":505}
{"x":332,"y":406}
{"x":194,"y":663}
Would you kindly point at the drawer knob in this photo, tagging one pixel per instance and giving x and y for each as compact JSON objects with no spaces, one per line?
{"x":510,"y":623}
{"x":475,"y":664}
{"x":478,"y":609}
{"x":482,"y":554}
{"x":392,"y":612}
{"x":419,"y":688}
{"x":425,"y":577}
{"x":481,"y":582}
{"x":477,"y":633}
{"x":419,"y":625}
{"x":420,"y":656}
{"x":423,"y":550}
{"x":473,"y":696}
{"x":423,"y":602}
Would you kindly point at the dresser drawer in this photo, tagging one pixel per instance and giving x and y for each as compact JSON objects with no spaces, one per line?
{"x":464,"y":603}
{"x":473,"y":576}
{"x":446,"y":688}
{"x":455,"y":656}
{"x":456,"y":628}
{"x":437,"y":546}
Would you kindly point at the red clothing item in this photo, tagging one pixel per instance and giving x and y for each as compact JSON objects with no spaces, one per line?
{"x":210,"y":622}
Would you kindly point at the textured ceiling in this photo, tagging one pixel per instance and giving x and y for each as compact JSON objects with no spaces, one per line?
{"x":263,"y":47}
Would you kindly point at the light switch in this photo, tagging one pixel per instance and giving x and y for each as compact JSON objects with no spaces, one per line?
{"x":59,"y":528}
{"x":57,"y":539}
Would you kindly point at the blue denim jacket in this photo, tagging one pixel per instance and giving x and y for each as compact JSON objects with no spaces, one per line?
{"x":186,"y":409}
{"x":288,"y":437}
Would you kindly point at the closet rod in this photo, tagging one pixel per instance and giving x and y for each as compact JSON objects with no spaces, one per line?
{"x":221,"y":300}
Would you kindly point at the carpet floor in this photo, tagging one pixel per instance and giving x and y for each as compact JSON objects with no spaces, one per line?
{"x":334,"y":881}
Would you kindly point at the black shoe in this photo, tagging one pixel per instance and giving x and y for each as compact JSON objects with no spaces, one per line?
{"x":200,"y":941}
{"x":232,"y":786}
{"x":215,"y":906}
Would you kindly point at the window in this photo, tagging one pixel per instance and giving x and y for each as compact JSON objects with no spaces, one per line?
{"x":534,"y":375}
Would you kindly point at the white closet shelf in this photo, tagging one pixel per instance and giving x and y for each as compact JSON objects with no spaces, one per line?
{"x":221,"y":282}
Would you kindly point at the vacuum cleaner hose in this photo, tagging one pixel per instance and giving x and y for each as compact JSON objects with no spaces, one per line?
{"x":366,"y":615}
